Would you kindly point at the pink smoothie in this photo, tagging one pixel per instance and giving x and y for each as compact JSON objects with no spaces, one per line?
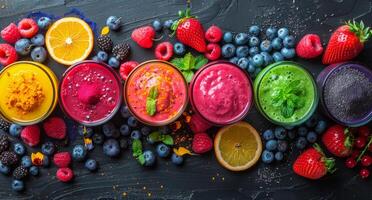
{"x":221,"y":93}
{"x":90,"y":92}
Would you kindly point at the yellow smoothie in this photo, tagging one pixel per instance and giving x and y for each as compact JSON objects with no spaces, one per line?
{"x":28,"y":92}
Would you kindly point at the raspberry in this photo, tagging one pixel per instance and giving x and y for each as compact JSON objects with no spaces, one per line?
{"x":105,"y":43}
{"x":10,"y":34}
{"x":213,"y":34}
{"x":8,"y":54}
{"x":309,"y":46}
{"x":144,"y":36}
{"x":8,"y":158}
{"x":121,"y":51}
{"x":27,"y":28}
{"x":62,"y":159}
{"x":4,"y":142}
{"x":20,"y":172}
{"x":213,"y":51}
{"x":31,"y":135}
{"x":64,"y":174}
{"x":201,"y":143}
{"x":164,"y":51}
{"x":126,"y":68}
{"x":198,"y":124}
{"x":55,"y":127}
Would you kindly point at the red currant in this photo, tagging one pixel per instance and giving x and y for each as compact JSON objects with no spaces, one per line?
{"x":366,"y":160}
{"x":364,"y":173}
{"x":360,"y":142}
{"x":363,"y":131}
{"x":370,"y":148}
{"x":350,"y":163}
{"x":355,"y":154}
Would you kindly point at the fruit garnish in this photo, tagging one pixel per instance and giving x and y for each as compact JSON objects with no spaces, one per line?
{"x":309,"y":46}
{"x":189,"y":63}
{"x":238,"y":146}
{"x":144,"y":36}
{"x":8,"y":54}
{"x":151,"y":101}
{"x":181,"y":151}
{"x":201,"y":143}
{"x":164,"y":51}
{"x":338,"y":140}
{"x":69,"y":40}
{"x":158,"y":137}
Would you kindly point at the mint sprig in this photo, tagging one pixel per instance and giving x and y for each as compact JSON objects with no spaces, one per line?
{"x":137,"y":151}
{"x":151,"y":101}
{"x":158,"y":137}
{"x":188,"y":64}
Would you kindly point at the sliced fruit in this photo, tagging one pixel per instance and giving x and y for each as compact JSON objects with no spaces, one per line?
{"x":238,"y":146}
{"x":69,"y":40}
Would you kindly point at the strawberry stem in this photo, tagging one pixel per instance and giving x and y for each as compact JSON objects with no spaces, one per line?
{"x":328,"y":162}
{"x":362,"y":32}
{"x":365,"y":149}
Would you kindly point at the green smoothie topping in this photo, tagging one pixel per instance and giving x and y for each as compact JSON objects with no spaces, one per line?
{"x":151,"y":101}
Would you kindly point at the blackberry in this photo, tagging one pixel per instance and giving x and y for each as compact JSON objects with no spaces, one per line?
{"x":121,"y":51}
{"x":4,"y":141}
{"x":8,"y":158}
{"x":105,"y":43}
{"x":20,"y":172}
{"x":4,"y":125}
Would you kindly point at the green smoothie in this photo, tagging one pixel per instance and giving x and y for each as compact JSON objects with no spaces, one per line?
{"x":285,"y":93}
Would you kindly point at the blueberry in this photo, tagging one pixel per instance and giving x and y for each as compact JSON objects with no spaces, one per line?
{"x":283,"y":32}
{"x":243,"y":63}
{"x":124,"y":130}
{"x":135,"y":134}
{"x":253,"y":51}
{"x":257,"y":71}
{"x":114,"y":62}
{"x":320,"y":127}
{"x":288,"y":53}
{"x":91,"y":165}
{"x":34,"y":170}
{"x":162,"y":150}
{"x":85,"y":131}
{"x":176,"y":159}
{"x":23,"y":46}
{"x":301,"y":142}
{"x":15,"y":130}
{"x":123,"y":143}
{"x":258,"y":60}
{"x":17,"y":185}
{"x":149,"y":158}
{"x":276,"y":43}
{"x":124,"y":111}
{"x":311,"y":137}
{"x":312,"y":121}
{"x":234,"y":60}
{"x":280,"y":133}
{"x":289,"y":41}
{"x":95,"y":58}
{"x":108,"y":129}
{"x":268,"y":135}
{"x":145,"y":130}
{"x":157,"y":25}
{"x":102,"y":56}
{"x":79,"y":152}
{"x":242,"y":51}
{"x":48,"y":148}
{"x":302,"y":131}
{"x":254,"y":41}
{"x":26,"y":161}
{"x":271,"y":33}
{"x":279,"y":156}
{"x":267,"y":156}
{"x":46,"y":161}
{"x":228,"y":50}
{"x":282,"y":145}
{"x":254,"y":30}
{"x":267,"y":58}
{"x":44,"y":22}
{"x":179,"y":49}
{"x":19,"y":149}
{"x":271,"y":145}
{"x":98,"y":138}
{"x":113,"y":23}
{"x":165,"y":130}
{"x":251,"y":68}
{"x":4,"y":169}
{"x":168,"y":24}
{"x":277,"y":56}
{"x":132,"y":122}
{"x":291,"y":134}
{"x":111,"y":148}
{"x":241,"y":39}
{"x":228,"y":37}
{"x":266,"y":46}
{"x":38,"y":40}
{"x":39,"y":54}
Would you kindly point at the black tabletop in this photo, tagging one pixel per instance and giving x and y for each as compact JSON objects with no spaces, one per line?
{"x":201,"y":177}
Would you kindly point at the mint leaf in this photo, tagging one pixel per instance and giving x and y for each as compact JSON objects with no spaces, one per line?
{"x":154,"y":136}
{"x":200,"y":61}
{"x":178,"y":62}
{"x":151,"y":101}
{"x":188,"y":61}
{"x":287,"y":109}
{"x":136,"y":148}
{"x":141,"y":159}
{"x":188,"y":75}
{"x":168,"y":140}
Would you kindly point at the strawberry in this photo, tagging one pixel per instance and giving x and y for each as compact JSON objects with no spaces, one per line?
{"x":338,"y":140}
{"x":10,"y":34}
{"x":190,"y":31}
{"x":144,"y":36}
{"x":164,"y":51}
{"x":213,"y":34}
{"x":201,"y":143}
{"x":27,"y":28}
{"x":213,"y":51}
{"x":126,"y":68}
{"x":8,"y":54}
{"x":313,"y":164}
{"x":55,"y":127}
{"x":309,"y":46}
{"x":346,"y":42}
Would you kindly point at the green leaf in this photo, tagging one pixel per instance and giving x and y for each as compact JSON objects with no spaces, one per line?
{"x":141,"y":159}
{"x":200,"y":61}
{"x":188,"y":75}
{"x":168,"y":140}
{"x":136,"y":148}
{"x":178,"y":62}
{"x":154,"y":136}
{"x":151,"y":101}
{"x":188,"y":61}
{"x":287,"y":109}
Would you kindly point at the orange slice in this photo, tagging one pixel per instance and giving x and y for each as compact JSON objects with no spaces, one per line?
{"x":238,"y":146}
{"x":69,"y":40}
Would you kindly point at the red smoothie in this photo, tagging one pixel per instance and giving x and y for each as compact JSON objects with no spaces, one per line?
{"x":90,"y":93}
{"x":221,"y":93}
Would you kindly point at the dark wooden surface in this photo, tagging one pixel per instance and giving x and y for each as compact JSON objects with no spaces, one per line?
{"x":201,"y":177}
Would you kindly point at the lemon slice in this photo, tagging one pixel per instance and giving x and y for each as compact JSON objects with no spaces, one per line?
{"x":69,"y":40}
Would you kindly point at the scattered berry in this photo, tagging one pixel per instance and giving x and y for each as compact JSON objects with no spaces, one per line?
{"x":271,"y":145}
{"x":364,"y":173}
{"x":366,"y":160}
{"x":279,"y":156}
{"x":111,"y":148}
{"x":126,"y":68}
{"x":105,"y":43}
{"x":234,"y":60}
{"x":34,"y":171}
{"x":20,"y":172}
{"x":309,"y":46}
{"x":243,"y":63}
{"x":268,"y":135}
{"x":113,"y":23}
{"x":301,"y":143}
{"x":242,"y":51}
{"x":124,"y":111}
{"x":27,"y":28}
{"x":18,"y":185}
{"x":271,"y":33}
{"x":253,"y":51}
{"x":8,"y":158}
{"x":121,"y":51}
{"x":283,"y":32}
{"x":277,"y":43}
{"x":145,"y":130}
{"x":267,"y":58}
{"x":15,"y":130}
{"x":267,"y":157}
{"x":98,"y":138}
{"x":102,"y":56}
{"x":149,"y":158}
{"x":176,"y":159}
{"x":19,"y":149}
{"x":213,"y":34}
{"x":4,"y":169}
{"x":201,"y":143}
{"x":26,"y":161}
{"x":282,"y":145}
{"x":265,"y":46}
{"x":64,"y":174}
{"x":289,"y":41}
{"x":91,"y":165}
{"x":48,"y":148}
{"x":114,"y":62}
{"x":44,"y":22}
{"x":165,"y":130}
{"x":168,"y":24}
{"x":79,"y":152}
{"x":228,"y":37}
{"x":350,"y":163}
{"x":157,"y":25}
{"x":320,"y":127}
{"x":124,"y":130}
{"x":162,"y":150}
{"x":108,"y":129}
{"x":280,"y":133}
{"x":288,"y":53}
{"x":241,"y":39}
{"x":254,"y":30}
{"x":8,"y":54}
{"x":10,"y":34}
{"x":38,"y":40}
{"x":257,"y":60}
{"x":23,"y":46}
{"x":164,"y":51}
{"x":135,"y":135}
{"x":55,"y":127}
{"x":39,"y":54}
{"x":62,"y":159}
{"x":31,"y":135}
{"x":311,"y":137}
{"x":144,"y":36}
{"x":277,"y":56}
{"x":179,"y":49}
{"x":213,"y":52}
{"x":228,"y":50}
{"x":302,"y":131}
{"x":132,"y":122}
{"x":360,"y":142}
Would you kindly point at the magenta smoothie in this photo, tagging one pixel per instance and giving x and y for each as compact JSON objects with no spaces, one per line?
{"x":90,"y":93}
{"x":221,"y":93}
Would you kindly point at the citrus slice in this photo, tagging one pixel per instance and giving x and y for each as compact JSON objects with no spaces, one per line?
{"x":69,"y":40}
{"x":238,"y":146}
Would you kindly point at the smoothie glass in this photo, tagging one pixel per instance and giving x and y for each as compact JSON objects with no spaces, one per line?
{"x":285,"y":93}
{"x":90,"y":92}
{"x":171,"y":96}
{"x":29,"y":94}
{"x":331,"y":71}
